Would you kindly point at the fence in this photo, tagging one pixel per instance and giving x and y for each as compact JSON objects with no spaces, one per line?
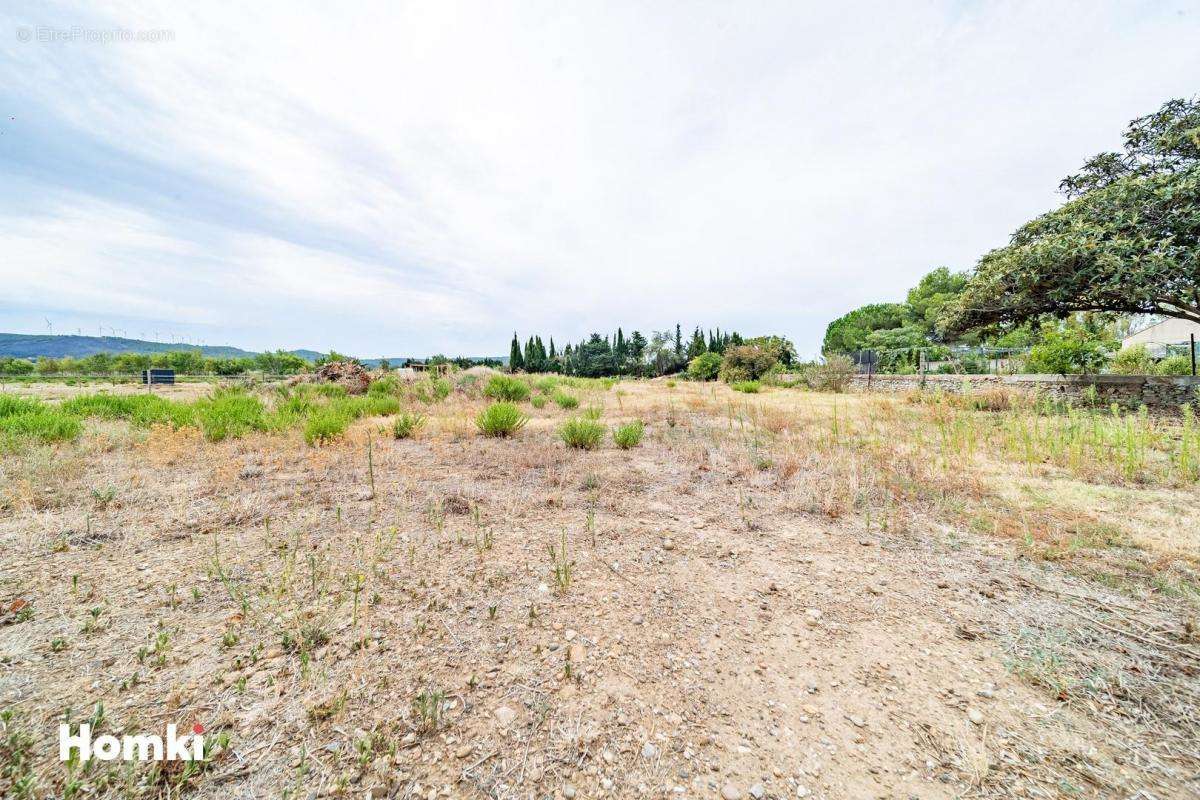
{"x":136,"y":377}
{"x":939,"y":360}
{"x":959,"y":360}
{"x":1156,"y":392}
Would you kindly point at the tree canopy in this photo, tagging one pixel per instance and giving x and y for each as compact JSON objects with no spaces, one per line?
{"x":1128,"y":241}
{"x":849,"y":332}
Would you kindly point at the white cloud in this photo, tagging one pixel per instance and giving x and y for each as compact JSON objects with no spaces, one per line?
{"x":430,"y":177}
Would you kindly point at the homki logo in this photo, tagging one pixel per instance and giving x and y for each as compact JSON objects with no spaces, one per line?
{"x":142,"y":747}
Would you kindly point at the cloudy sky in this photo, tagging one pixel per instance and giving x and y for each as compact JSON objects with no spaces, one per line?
{"x":407,"y":178}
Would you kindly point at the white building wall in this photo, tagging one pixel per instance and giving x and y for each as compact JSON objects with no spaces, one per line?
{"x":1170,"y":330}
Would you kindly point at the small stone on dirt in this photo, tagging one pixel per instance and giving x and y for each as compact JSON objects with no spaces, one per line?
{"x":649,"y":752}
{"x":505,"y":715}
{"x":975,"y":715}
{"x":730,"y":792}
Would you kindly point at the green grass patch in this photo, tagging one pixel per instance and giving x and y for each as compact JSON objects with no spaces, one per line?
{"x":500,"y":419}
{"x":407,"y":424}
{"x":581,"y":433}
{"x":629,"y":435}
{"x":564,"y":400}
{"x":506,"y":388}
{"x":12,"y":405}
{"x":43,"y":424}
{"x":325,"y":424}
{"x":230,"y":414}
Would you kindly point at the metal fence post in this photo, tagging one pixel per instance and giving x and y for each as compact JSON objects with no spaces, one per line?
{"x":1192,"y":336}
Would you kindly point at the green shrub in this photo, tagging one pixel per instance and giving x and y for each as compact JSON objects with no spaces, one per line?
{"x":440,"y":388}
{"x":582,"y":433}
{"x":432,"y":390}
{"x":1070,"y":350}
{"x":593,"y":412}
{"x":704,"y":367}
{"x":546,"y":384}
{"x":747,"y":363}
{"x":324,"y":424}
{"x":831,"y":375}
{"x":1132,"y":360}
{"x":629,"y":435}
{"x":1174,"y":365}
{"x":748,"y":387}
{"x":564,"y":400}
{"x":407,"y":424}
{"x":500,"y":419}
{"x":538,"y":401}
{"x":506,"y":388}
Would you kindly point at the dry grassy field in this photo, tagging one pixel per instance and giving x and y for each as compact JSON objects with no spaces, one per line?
{"x":784,"y":594}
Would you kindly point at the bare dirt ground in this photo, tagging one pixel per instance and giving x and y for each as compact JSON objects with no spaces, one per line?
{"x":727,"y":619}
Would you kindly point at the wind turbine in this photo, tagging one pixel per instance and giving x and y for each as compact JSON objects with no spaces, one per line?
{"x":49,"y":325}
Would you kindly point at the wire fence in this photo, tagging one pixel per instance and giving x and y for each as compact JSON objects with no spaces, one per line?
{"x":964,"y":360}
{"x":116,"y":378}
{"x":940,"y":360}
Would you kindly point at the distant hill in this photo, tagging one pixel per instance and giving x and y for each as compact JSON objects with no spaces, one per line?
{"x":21,"y":345}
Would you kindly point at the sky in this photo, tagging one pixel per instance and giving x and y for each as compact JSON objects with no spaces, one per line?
{"x":413,"y":178}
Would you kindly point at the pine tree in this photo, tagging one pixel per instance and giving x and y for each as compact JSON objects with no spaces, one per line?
{"x":696,"y":346}
{"x":515,"y":361}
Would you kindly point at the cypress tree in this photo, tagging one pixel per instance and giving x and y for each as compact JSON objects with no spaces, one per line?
{"x":678,"y":341}
{"x":515,"y":361}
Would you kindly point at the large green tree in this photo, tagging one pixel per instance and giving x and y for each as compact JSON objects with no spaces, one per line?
{"x":849,"y":332}
{"x":1128,"y":241}
{"x":931,"y":295}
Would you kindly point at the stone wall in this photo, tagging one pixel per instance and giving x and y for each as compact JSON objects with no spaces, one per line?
{"x":1130,"y":391}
